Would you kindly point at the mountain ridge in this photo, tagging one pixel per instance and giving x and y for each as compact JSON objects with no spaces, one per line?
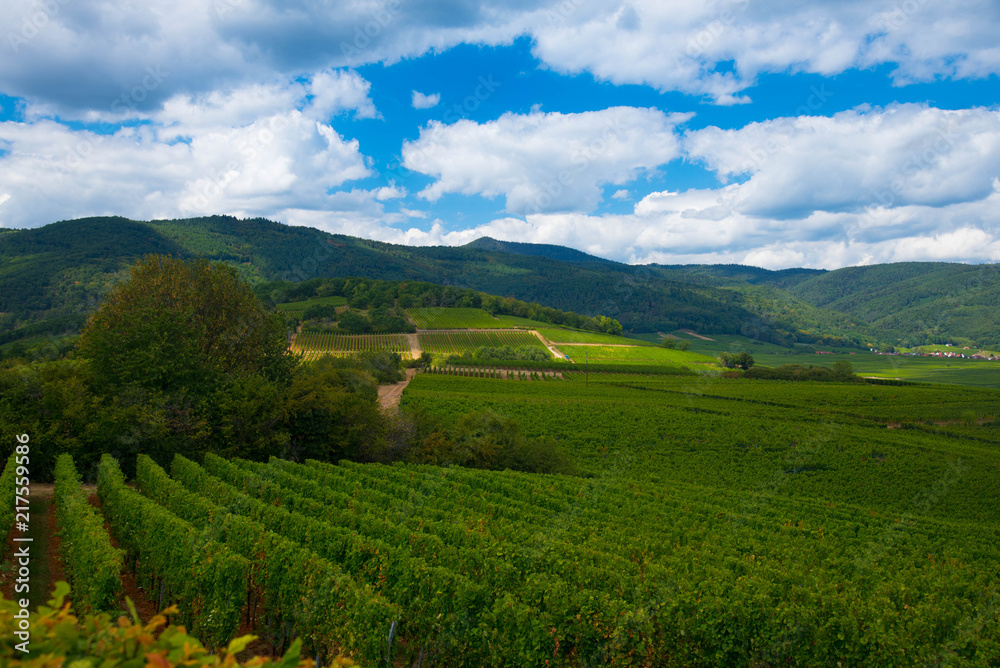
{"x":551,"y":251}
{"x":60,"y":271}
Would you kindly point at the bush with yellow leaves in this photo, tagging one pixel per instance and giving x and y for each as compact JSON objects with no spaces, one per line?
{"x":55,"y":637}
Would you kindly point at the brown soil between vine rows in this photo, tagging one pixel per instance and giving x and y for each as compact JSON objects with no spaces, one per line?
{"x":145,"y":605}
{"x":46,"y":566}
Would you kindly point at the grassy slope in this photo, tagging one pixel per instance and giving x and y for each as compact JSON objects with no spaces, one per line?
{"x":319,"y":301}
{"x":637,"y":355}
{"x":919,"y":369}
{"x":453,"y":318}
{"x":559,"y":335}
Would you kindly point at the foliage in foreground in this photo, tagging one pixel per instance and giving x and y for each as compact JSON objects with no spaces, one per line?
{"x":58,"y":637}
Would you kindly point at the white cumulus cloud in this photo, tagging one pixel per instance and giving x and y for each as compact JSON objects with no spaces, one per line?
{"x":254,"y":150}
{"x":856,"y":160}
{"x":82,"y":57}
{"x":422,"y":101}
{"x":544,"y":161}
{"x":679,"y":45}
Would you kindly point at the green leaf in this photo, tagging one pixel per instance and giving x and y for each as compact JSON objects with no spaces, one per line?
{"x":237,"y":645}
{"x":62,"y":589}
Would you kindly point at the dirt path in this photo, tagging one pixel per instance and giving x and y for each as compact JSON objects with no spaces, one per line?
{"x":415,"y":351}
{"x":696,"y":335}
{"x":46,"y":566}
{"x":390,"y":395}
{"x":548,"y":344}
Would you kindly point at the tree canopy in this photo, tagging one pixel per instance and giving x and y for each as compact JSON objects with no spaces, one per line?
{"x":183,"y":325}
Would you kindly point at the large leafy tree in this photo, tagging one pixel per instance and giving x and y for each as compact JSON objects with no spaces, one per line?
{"x":183,"y":326}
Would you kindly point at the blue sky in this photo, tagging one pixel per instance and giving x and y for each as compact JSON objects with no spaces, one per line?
{"x":836,"y":134}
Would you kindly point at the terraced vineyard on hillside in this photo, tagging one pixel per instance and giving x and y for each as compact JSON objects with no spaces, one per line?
{"x":639,"y":355}
{"x":296,"y":307}
{"x":454,"y":318}
{"x":458,"y":341}
{"x":561,"y":335}
{"x":317,"y":344}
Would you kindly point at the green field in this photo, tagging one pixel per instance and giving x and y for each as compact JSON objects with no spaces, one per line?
{"x":514,"y":321}
{"x":559,"y":335}
{"x":733,"y":343}
{"x":457,"y":342}
{"x":637,"y":355}
{"x":714,"y":522}
{"x":647,"y":338}
{"x":917,"y":369}
{"x":316,"y":344}
{"x":954,"y":349}
{"x":747,"y":427}
{"x":319,"y":301}
{"x":454,"y":318}
{"x":784,"y":523}
{"x":718,"y":522}
{"x":981,"y":373}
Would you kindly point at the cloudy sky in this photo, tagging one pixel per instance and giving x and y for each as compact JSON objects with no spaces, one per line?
{"x":777,"y":134}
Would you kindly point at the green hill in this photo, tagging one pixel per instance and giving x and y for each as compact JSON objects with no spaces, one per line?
{"x":550,"y":251}
{"x":55,"y":274}
{"x":913,"y":303}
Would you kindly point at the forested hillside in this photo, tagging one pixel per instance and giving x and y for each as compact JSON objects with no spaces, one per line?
{"x":54,"y":275}
{"x":915,"y":302}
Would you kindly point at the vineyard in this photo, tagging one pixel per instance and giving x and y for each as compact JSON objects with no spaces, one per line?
{"x":479,"y":568}
{"x":525,"y":323}
{"x":974,"y":372}
{"x":820,"y":441}
{"x":295,"y":307}
{"x":93,"y":566}
{"x":718,"y":522}
{"x":627,"y":354}
{"x":454,"y":318}
{"x":560,"y":336}
{"x":316,"y":344}
{"x":509,"y":371}
{"x":459,"y":341}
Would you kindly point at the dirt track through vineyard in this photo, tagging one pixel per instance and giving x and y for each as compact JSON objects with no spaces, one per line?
{"x":389,"y":396}
{"x":548,"y":344}
{"x":415,"y":350}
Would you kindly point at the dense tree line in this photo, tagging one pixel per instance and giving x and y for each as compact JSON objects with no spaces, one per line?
{"x":382,"y":298}
{"x":842,"y":372}
{"x":183,"y":358}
